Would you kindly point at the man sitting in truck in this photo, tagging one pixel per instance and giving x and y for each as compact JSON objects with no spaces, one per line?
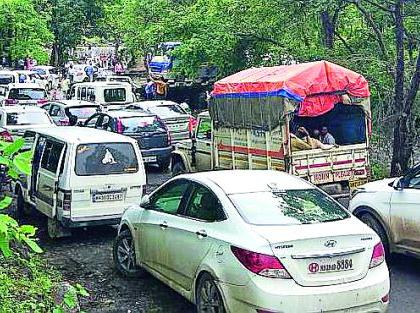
{"x":326,"y":137}
{"x":303,"y":141}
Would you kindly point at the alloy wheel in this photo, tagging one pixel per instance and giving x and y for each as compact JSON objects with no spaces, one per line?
{"x":209,"y":299}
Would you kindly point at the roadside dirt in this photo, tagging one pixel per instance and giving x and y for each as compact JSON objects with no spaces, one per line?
{"x":86,"y":258}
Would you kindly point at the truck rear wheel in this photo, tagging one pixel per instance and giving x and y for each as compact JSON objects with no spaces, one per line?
{"x":178,"y":169}
{"x":56,"y":230}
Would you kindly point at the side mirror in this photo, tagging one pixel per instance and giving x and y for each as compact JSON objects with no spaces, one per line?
{"x":145,"y":202}
{"x":398,"y":184}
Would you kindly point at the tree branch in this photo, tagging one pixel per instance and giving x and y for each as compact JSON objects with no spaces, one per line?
{"x":379,"y":6}
{"x":346,"y":45}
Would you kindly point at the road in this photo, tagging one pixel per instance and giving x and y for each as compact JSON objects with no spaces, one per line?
{"x":86,"y":258}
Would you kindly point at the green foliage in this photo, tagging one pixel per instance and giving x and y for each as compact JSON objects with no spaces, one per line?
{"x":23,"y":31}
{"x":379,"y":171}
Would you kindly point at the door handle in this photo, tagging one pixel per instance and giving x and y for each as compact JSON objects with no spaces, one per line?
{"x":201,"y":233}
{"x":164,"y":225}
{"x":47,"y":188}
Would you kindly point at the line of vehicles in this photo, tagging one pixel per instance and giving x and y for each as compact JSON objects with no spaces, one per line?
{"x":251,"y":231}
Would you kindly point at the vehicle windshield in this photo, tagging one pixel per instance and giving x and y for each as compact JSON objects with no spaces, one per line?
{"x":288,"y":207}
{"x":106,"y":159}
{"x":140,"y":124}
{"x":6,"y":79}
{"x":167,"y":111}
{"x":40,"y":71}
{"x":27,"y":94}
{"x":82,"y":112}
{"x":115,"y":95}
{"x":27,"y":118}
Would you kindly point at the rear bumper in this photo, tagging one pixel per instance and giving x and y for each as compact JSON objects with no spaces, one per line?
{"x":162,"y":154}
{"x":280,"y":295}
{"x":91,"y":221}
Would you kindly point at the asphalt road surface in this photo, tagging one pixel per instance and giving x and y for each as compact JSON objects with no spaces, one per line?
{"x":86,"y":258}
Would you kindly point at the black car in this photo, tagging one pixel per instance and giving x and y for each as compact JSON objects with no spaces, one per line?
{"x":150,"y":132}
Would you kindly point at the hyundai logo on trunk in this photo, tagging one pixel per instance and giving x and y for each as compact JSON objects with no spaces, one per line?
{"x":330,"y":243}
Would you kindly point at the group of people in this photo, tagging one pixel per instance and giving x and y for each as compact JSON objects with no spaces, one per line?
{"x":320,"y":139}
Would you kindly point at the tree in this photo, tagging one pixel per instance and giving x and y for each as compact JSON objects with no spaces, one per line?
{"x":23,"y":32}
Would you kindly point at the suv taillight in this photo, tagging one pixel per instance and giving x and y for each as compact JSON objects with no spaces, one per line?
{"x":378,"y":255}
{"x":67,"y":201}
{"x":261,"y":264}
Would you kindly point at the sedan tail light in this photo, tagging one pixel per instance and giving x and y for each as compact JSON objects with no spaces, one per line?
{"x":10,"y":101}
{"x":378,"y":255}
{"x":261,"y":264}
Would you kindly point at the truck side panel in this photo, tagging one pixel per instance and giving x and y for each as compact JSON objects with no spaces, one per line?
{"x":248,"y":149}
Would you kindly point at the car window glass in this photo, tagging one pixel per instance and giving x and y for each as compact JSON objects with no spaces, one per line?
{"x":169,"y":198}
{"x":415,"y":182}
{"x":104,"y":124}
{"x":204,"y":129}
{"x":51,"y":156}
{"x":204,"y":205}
{"x":287,"y":207}
{"x":55,"y":110}
{"x":47,"y":107}
{"x":92,"y":121}
{"x":83,"y":94}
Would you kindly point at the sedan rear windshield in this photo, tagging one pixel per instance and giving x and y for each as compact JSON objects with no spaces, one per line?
{"x":115,"y":95}
{"x":140,"y":124}
{"x":105,"y":159}
{"x":27,"y":94}
{"x":288,"y":207}
{"x":28,"y":118}
{"x":82,"y":112}
{"x":6,"y":79}
{"x":167,"y":111}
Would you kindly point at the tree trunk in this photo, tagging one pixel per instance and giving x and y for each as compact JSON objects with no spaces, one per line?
{"x":328,"y":27}
{"x":55,"y":54}
{"x":400,"y":155}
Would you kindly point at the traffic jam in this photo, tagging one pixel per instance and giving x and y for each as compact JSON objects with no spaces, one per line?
{"x":249,"y":220}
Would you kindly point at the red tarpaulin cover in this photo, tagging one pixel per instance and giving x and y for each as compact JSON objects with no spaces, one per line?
{"x":314,"y":84}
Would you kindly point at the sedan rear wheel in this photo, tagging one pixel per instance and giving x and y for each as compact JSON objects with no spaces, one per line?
{"x":125,"y":256}
{"x":209,"y":299}
{"x":373,"y":223}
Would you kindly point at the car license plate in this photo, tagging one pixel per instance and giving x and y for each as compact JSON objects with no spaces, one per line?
{"x":149,"y":159}
{"x":332,"y":266}
{"x":104,"y":197}
{"x":353,"y":184}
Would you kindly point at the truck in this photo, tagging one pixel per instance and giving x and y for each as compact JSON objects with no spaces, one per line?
{"x":254,"y":115}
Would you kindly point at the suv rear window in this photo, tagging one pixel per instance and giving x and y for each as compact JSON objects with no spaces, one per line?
{"x":105,"y":159}
{"x":288,"y":207}
{"x":28,"y":118}
{"x":82,"y":112}
{"x":27,"y":94}
{"x":139,"y":124}
{"x":115,"y":95}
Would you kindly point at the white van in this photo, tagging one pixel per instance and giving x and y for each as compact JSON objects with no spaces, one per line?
{"x":103,"y":93}
{"x":25,"y":94}
{"x":80,"y":177}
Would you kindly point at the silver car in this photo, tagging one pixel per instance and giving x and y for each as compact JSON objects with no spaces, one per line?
{"x":178,"y":121}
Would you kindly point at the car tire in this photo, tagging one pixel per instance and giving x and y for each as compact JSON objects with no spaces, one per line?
{"x":178,"y":169}
{"x":164,"y":165}
{"x":373,"y":223}
{"x":208,"y":296}
{"x":22,"y":208}
{"x":124,"y":256}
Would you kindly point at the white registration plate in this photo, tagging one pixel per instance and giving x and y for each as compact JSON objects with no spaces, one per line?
{"x":104,"y":197}
{"x":330,"y":266}
{"x":149,"y":159}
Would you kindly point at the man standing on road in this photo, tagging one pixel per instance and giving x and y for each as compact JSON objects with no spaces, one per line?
{"x":326,"y":137}
{"x":89,"y":71}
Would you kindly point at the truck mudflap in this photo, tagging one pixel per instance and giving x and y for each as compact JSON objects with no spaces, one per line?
{"x":338,"y":170}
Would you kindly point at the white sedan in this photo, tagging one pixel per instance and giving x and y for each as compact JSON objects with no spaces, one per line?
{"x":254,"y":241}
{"x":391,"y":207}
